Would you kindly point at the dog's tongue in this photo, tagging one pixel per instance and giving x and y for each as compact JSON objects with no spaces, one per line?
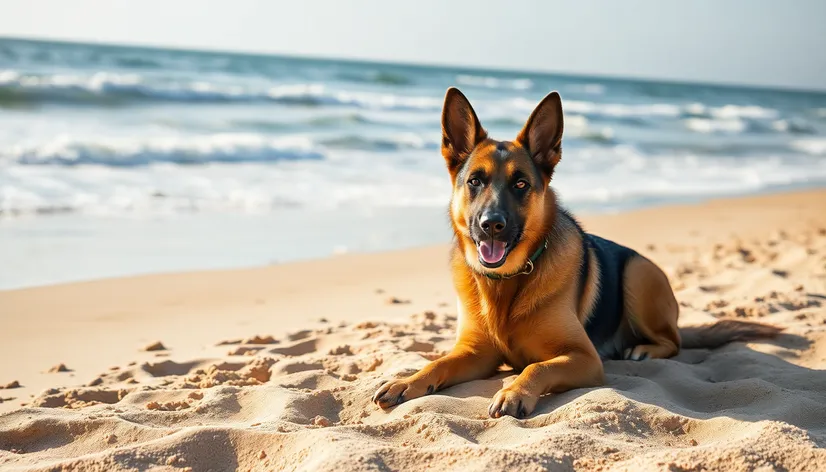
{"x":491,"y":251}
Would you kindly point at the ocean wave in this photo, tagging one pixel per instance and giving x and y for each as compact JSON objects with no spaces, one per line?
{"x":131,"y":152}
{"x":815,"y":147}
{"x":39,"y":210}
{"x":494,"y":82}
{"x":137,"y":62}
{"x":316,"y":122}
{"x":577,"y":127}
{"x":505,"y":121}
{"x":249,"y":188}
{"x":601,"y":136}
{"x":758,"y":126}
{"x":510,"y":120}
{"x":598,"y":177}
{"x":752,"y":112}
{"x":793,"y":126}
{"x":628,"y":178}
{"x":117,"y":89}
{"x":316,"y":95}
{"x":376,"y":77}
{"x":104,"y":88}
{"x":612,"y":110}
{"x":339,"y":120}
{"x":395,"y":143}
{"x":622,"y":110}
{"x":730,"y":112}
{"x":265,"y":125}
{"x":714,"y":149}
{"x":705,"y":125}
{"x":727,"y":114}
{"x":587,"y":89}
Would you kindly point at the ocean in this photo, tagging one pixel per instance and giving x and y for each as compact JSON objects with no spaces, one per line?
{"x":124,"y":160}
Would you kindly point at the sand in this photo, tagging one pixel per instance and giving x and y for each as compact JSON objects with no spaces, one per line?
{"x":273,"y":368}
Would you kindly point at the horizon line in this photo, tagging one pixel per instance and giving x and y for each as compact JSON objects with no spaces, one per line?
{"x":423,"y":65}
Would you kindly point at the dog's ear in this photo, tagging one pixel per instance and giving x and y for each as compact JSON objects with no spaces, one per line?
{"x":542,"y":134}
{"x":461,"y":130}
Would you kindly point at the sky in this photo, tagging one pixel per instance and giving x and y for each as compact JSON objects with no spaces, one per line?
{"x":754,"y":42}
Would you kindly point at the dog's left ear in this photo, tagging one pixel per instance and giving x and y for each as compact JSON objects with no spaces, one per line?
{"x":542,"y":134}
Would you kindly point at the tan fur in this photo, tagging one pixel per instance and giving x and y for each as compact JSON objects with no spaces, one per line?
{"x":534,"y":322}
{"x":650,"y":309}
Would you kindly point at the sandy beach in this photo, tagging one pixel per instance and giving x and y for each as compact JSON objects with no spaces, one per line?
{"x":273,"y":368}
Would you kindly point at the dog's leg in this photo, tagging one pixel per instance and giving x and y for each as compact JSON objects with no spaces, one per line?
{"x":469,"y":360}
{"x":562,"y":373}
{"x":651,"y":311}
{"x":572,"y":362}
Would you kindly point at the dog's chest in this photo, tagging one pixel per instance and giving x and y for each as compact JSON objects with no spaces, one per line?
{"x":499,"y":313}
{"x":508,"y":335}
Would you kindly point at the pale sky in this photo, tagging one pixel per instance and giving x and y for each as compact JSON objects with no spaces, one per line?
{"x":758,"y":42}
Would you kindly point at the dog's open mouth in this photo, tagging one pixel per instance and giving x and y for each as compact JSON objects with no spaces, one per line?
{"x":492,"y":253}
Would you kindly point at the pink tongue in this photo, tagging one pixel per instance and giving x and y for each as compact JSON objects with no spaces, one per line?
{"x":492,"y":251}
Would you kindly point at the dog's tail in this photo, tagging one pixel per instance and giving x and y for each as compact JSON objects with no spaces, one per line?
{"x":714,"y":335}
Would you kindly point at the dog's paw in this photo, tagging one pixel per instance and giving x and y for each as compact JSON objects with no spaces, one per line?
{"x":637,"y":353}
{"x":395,"y":392}
{"x":513,"y":402}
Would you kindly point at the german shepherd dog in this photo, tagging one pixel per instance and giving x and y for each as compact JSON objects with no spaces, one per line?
{"x":535,"y":291}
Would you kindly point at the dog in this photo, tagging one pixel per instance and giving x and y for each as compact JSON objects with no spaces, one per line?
{"x":535,"y":291}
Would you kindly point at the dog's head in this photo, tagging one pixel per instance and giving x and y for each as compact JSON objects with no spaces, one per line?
{"x":500,"y":188}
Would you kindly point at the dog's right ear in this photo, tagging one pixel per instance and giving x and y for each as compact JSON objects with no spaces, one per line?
{"x":461,"y":130}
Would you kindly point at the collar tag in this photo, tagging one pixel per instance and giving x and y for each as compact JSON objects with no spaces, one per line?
{"x":528,"y":268}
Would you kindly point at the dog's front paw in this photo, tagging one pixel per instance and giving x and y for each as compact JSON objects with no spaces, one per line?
{"x":513,"y":402}
{"x":398,"y":391}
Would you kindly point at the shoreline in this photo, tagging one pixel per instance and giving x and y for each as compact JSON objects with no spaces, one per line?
{"x":175,"y":246}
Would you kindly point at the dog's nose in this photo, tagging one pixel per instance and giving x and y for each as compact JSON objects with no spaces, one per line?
{"x":492,"y":223}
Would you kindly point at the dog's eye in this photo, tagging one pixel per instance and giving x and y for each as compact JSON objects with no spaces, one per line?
{"x":521,"y":184}
{"x":474,"y":182}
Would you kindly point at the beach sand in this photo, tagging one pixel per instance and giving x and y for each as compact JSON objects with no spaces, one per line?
{"x":273,"y":368}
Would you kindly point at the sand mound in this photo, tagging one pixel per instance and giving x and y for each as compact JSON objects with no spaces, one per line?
{"x":303,"y":402}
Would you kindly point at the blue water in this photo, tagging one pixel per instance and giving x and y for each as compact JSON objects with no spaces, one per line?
{"x":95,"y":134}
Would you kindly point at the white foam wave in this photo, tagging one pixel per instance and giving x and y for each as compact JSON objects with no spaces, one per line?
{"x":815,"y":147}
{"x":106,"y":87}
{"x":730,"y":112}
{"x":238,"y":188}
{"x":615,"y":110}
{"x":494,"y":82}
{"x":599,"y":176}
{"x":704,"y":125}
{"x":67,"y":150}
{"x":628,"y":178}
{"x":793,"y":126}
{"x":589,"y":89}
{"x":96,"y":82}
